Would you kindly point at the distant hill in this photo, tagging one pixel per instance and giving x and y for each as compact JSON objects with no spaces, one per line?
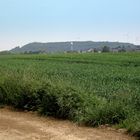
{"x":75,"y":46}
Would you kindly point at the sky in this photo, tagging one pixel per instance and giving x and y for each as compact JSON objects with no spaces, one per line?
{"x":25,"y":21}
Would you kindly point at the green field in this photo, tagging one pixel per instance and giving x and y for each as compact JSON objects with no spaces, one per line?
{"x":91,"y":89}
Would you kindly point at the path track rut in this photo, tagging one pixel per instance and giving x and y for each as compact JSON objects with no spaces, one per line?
{"x":15,"y":125}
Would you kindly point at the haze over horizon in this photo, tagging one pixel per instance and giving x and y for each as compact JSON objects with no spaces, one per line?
{"x":23,"y":21}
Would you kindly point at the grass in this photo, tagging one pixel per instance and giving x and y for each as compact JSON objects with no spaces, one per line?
{"x":91,"y":89}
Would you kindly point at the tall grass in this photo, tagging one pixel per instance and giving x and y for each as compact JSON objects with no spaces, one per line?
{"x":91,"y":89}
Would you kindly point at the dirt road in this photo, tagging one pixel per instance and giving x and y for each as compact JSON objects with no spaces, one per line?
{"x":28,"y":126}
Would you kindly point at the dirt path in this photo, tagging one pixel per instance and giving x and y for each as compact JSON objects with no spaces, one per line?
{"x":28,"y":126}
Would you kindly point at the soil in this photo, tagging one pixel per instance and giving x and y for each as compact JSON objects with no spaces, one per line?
{"x":16,"y":125}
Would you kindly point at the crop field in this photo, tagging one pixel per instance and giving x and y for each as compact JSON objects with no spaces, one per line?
{"x":91,"y":89}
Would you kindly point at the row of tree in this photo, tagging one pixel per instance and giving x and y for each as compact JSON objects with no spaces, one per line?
{"x":107,"y":49}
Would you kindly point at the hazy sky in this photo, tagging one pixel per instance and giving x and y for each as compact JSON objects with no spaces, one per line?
{"x":24,"y":21}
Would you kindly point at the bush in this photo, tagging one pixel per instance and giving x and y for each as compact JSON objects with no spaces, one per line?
{"x":59,"y":102}
{"x":48,"y":101}
{"x":18,"y":94}
{"x":98,"y":111}
{"x":132,"y":123}
{"x":65,"y":102}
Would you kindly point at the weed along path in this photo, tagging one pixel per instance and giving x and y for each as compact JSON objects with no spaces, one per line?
{"x":16,"y":125}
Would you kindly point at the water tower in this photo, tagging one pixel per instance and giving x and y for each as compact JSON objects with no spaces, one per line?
{"x":71,"y":46}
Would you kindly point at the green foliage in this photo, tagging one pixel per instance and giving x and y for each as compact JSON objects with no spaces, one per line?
{"x":106,"y":49}
{"x":132,"y":123}
{"x":91,"y":89}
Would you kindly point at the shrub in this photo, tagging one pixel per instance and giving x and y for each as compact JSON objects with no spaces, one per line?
{"x":132,"y":124}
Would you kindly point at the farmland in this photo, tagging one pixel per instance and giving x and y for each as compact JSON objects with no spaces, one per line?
{"x":91,"y":89}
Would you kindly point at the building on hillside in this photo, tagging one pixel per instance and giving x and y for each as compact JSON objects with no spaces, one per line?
{"x":90,"y":50}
